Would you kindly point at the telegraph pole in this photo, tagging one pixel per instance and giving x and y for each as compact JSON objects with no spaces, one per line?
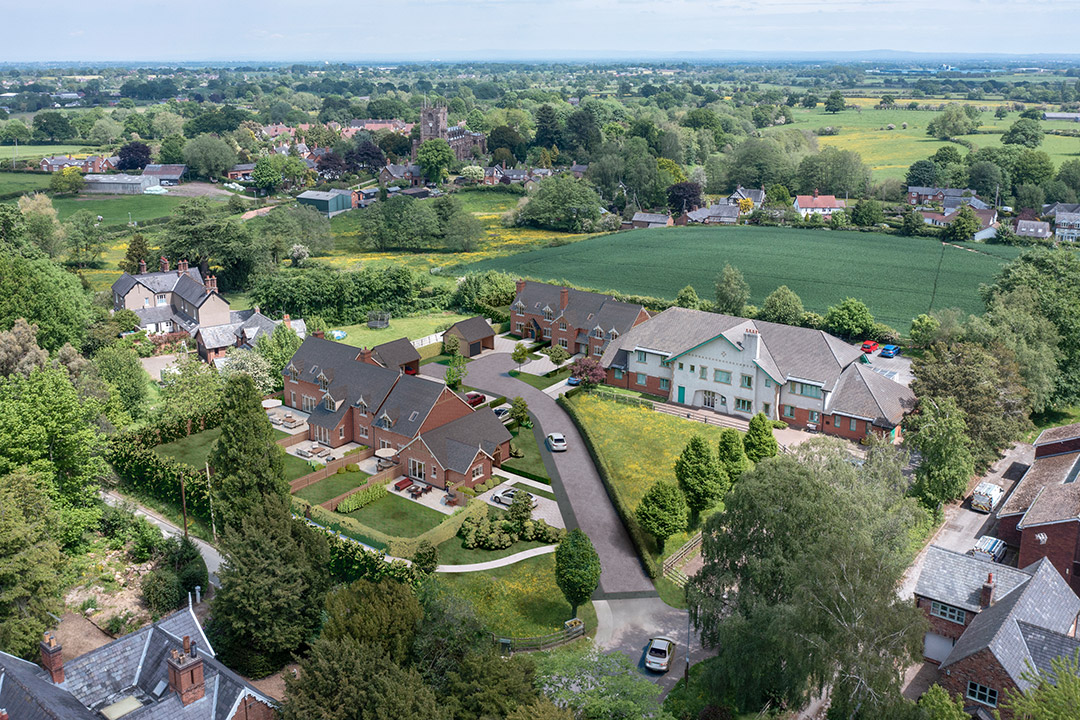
{"x":210,"y":493}
{"x":183,"y":505}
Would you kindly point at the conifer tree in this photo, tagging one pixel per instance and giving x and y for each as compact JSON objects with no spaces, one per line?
{"x":731,"y":454}
{"x":759,"y":442}
{"x":700,"y":476}
{"x":662,"y":512}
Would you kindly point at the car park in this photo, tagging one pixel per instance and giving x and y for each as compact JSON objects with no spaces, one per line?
{"x":889,"y":351}
{"x":870,"y":346}
{"x":506,"y":497}
{"x":658,"y":654}
{"x":556,"y":442}
{"x":474,"y":399}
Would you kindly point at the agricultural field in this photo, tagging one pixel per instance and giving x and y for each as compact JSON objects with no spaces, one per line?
{"x":36,"y":152}
{"x":12,"y":182}
{"x":897,"y":277}
{"x":640,"y":447}
{"x":115,"y":210}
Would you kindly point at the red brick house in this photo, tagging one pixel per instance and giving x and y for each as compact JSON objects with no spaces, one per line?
{"x":1042,"y":514}
{"x":990,"y":622}
{"x":580,"y":321}
{"x":166,"y":671}
{"x":397,"y":355}
{"x":89,"y":164}
{"x":352,"y":398}
{"x":411,"y":174}
{"x":474,"y":336}
{"x":242,"y":331}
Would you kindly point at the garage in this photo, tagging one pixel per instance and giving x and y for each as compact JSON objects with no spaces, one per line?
{"x":474,"y":349}
{"x":936,"y":647}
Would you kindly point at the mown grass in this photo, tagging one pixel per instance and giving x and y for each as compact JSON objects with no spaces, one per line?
{"x":897,"y":277}
{"x":36,"y":152}
{"x":452,"y":552}
{"x":397,"y":516}
{"x":195,"y":449}
{"x":540,"y":382}
{"x":520,"y":600}
{"x":413,"y":328}
{"x":22,"y":182}
{"x":524,"y":440}
{"x":114,"y":209}
{"x":333,"y":486}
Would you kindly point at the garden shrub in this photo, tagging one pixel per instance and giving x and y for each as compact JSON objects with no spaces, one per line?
{"x":352,"y":467}
{"x":485,"y":533}
{"x":361,"y":499}
{"x":161,"y":591}
{"x":147,"y":540}
{"x":341,"y":470}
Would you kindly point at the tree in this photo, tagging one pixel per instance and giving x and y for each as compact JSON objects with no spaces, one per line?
{"x":192,"y":388}
{"x":172,"y":149}
{"x":662,"y":512}
{"x":952,"y":122}
{"x":41,"y":224}
{"x":86,"y":239}
{"x":1032,"y":167}
{"x":939,"y":433}
{"x":273,"y":585}
{"x":963,"y":227}
{"x":684,"y":196}
{"x":119,"y":366}
{"x":548,"y":128}
{"x":519,"y":412}
{"x":19,"y":351}
{"x":700,"y":477}
{"x":688,"y":298}
{"x":266,"y":174}
{"x":255,"y":366}
{"x":329,"y":686}
{"x":426,"y":558}
{"x":758,"y":442}
{"x":463,"y":231}
{"x":456,"y":371}
{"x":867,"y":213}
{"x":577,"y":569}
{"x":598,"y":686}
{"x":472,"y":173}
{"x":137,"y":250}
{"x":53,"y":125}
{"x":208,"y":156}
{"x":913,"y":223}
{"x":45,"y":295}
{"x":1053,"y":694}
{"x":134,"y":156}
{"x":731,"y":454}
{"x":278,"y":348}
{"x":732,"y":291}
{"x":383,"y":615}
{"x":520,"y":510}
{"x":782,"y":306}
{"x":851,"y":319}
{"x":68,"y":180}
{"x":924,"y":329}
{"x":484,"y":685}
{"x":477,"y":122}
{"x":451,"y":344}
{"x":946,"y":155}
{"x":922,"y":173}
{"x":30,"y":562}
{"x":435,"y":158}
{"x":542,"y":709}
{"x":520,"y":354}
{"x":248,"y":463}
{"x":1024,"y":132}
{"x":835,"y":102}
{"x":560,"y":203}
{"x":937,"y":705}
{"x":589,"y":371}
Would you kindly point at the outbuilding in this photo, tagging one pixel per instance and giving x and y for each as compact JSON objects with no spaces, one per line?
{"x":119,"y":184}
{"x":474,"y":336}
{"x":166,"y":174}
{"x":328,"y":203}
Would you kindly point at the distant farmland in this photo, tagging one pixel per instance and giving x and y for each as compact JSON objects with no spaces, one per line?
{"x":897,"y":277}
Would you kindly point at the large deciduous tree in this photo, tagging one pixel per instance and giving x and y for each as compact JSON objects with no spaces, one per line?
{"x":939,"y":433}
{"x":684,"y":196}
{"x":577,"y":568}
{"x":851,"y":319}
{"x":45,"y":295}
{"x":561,"y":203}
{"x":209,"y":156}
{"x":782,"y":306}
{"x":134,"y":156}
{"x":435,"y":158}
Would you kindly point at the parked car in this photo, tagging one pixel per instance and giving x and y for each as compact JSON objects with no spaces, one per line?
{"x":474,"y":399}
{"x":506,"y":497}
{"x":986,"y":497}
{"x":889,"y":351}
{"x":988,"y":549}
{"x":410,"y":370}
{"x":870,"y":346}
{"x":556,"y":442}
{"x":502,"y":413}
{"x":658,"y":654}
{"x":573,"y":380}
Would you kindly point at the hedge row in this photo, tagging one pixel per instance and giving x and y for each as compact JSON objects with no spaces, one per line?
{"x":637,"y":535}
{"x":144,"y":471}
{"x":361,"y":499}
{"x":162,"y":432}
{"x":526,"y":474}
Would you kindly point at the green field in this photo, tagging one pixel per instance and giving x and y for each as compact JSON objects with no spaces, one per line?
{"x":115,"y":209}
{"x":36,"y":152}
{"x":410,"y":327}
{"x":897,"y":277}
{"x":11,"y":182}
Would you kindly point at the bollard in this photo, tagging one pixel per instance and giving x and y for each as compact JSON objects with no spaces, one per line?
{"x":198,"y":594}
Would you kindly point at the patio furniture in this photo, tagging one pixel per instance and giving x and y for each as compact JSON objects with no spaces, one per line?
{"x":275,"y":420}
{"x":426,"y":490}
{"x":303,"y":453}
{"x":290,"y":424}
{"x":402,"y":484}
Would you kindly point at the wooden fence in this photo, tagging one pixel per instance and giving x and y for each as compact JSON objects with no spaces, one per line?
{"x":671,"y":564}
{"x":329,"y":469}
{"x":574,"y":629}
{"x":288,"y":442}
{"x":380,"y":478}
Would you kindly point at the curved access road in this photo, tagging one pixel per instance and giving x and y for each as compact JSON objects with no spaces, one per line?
{"x":583,"y":500}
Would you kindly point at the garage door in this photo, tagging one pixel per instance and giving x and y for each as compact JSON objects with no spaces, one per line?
{"x":937,"y":647}
{"x":474,"y":349}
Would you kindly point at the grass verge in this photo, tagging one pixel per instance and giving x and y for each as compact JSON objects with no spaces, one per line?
{"x":530,"y":465}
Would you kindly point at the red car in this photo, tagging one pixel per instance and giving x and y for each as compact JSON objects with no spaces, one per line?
{"x":410,"y":370}
{"x":870,"y":346}
{"x":474,"y":399}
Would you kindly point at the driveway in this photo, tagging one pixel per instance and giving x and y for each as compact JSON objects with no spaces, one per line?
{"x":154,"y":364}
{"x":581,"y":495}
{"x":546,"y":510}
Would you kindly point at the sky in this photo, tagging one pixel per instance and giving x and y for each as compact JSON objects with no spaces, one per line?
{"x":337,"y":30}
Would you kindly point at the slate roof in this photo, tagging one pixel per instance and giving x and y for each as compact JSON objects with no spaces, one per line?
{"x":757,"y":195}
{"x":1067,"y":219}
{"x":408,"y":404}
{"x":243,"y":167}
{"x":953,"y":202}
{"x":578,"y":168}
{"x":395,"y":353}
{"x":1054,"y":209}
{"x":172,"y":172}
{"x":349,"y":380}
{"x":956,"y":579}
{"x":456,"y":443}
{"x":864,"y":393}
{"x":473,"y":329}
{"x":715,"y":213}
{"x":132,"y":665}
{"x":1033,"y":228}
{"x":1045,"y":645}
{"x":584,"y":310}
{"x":1044,"y":471}
{"x":400,"y":171}
{"x":1045,"y":601}
{"x":156,"y":282}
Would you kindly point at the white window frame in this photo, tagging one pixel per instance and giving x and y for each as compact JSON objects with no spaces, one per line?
{"x":478,"y":472}
{"x":562,"y":324}
{"x":416,"y":469}
{"x":361,"y":430}
{"x":564,"y":343}
{"x":547,"y":333}
{"x":519,"y":327}
{"x":341,"y":432}
{"x":161,"y":299}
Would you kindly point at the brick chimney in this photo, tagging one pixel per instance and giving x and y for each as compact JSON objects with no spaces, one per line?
{"x":163,"y":263}
{"x":520,"y":286}
{"x":986,"y":597}
{"x":815,"y":192}
{"x":4,"y":714}
{"x":181,"y":267}
{"x":186,"y":673}
{"x":52,"y":657}
{"x":142,"y":267}
{"x":564,"y":298}
{"x":286,"y":320}
{"x":210,"y":283}
{"x":365,"y":356}
{"x":319,"y":334}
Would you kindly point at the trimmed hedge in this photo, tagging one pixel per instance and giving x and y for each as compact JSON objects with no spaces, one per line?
{"x":143,"y":470}
{"x":361,"y":499}
{"x":497,"y":401}
{"x":637,"y":535}
{"x":526,"y":474}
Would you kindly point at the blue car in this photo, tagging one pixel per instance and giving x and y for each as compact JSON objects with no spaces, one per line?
{"x":573,"y":380}
{"x":889,"y":351}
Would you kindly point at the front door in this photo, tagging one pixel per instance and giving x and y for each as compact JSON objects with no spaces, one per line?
{"x":709,"y":399}
{"x":682,"y":394}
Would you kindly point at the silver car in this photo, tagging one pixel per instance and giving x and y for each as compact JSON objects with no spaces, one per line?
{"x":658,"y":654}
{"x":506,"y":497}
{"x":556,"y":442}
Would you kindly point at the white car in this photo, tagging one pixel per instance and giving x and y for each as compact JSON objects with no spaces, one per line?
{"x":658,"y":654}
{"x":506,"y":497}
{"x":556,"y":442}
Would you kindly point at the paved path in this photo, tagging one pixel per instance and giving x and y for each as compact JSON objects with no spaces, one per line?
{"x":582,"y":498}
{"x":501,"y":562}
{"x":209,"y":552}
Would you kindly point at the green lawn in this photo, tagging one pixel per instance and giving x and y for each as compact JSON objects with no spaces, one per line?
{"x":1053,"y":418}
{"x":520,"y":600}
{"x":541,"y":381}
{"x":524,"y":440}
{"x":409,"y":327}
{"x":115,"y":209}
{"x":333,"y":486}
{"x":194,"y":450}
{"x":398,"y":516}
{"x":897,"y":277}
{"x":11,"y":182}
{"x":451,"y":552}
{"x":534,"y":490}
{"x":36,"y":152}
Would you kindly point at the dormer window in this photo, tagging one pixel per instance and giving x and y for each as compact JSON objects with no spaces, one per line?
{"x":294,"y":374}
{"x":324,"y":384}
{"x":519,"y":308}
{"x":613,"y":334}
{"x":162,"y":299}
{"x":548,"y":315}
{"x":328,"y":402}
{"x":598,"y":333}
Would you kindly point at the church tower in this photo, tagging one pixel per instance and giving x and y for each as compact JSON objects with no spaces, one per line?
{"x":433,"y":123}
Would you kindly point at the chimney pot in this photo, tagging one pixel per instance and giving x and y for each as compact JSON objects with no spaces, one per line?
{"x":4,"y":714}
{"x":142,"y":267}
{"x":187,"y":644}
{"x":52,"y":657}
{"x":986,"y":597}
{"x":164,"y":264}
{"x":287,"y":320}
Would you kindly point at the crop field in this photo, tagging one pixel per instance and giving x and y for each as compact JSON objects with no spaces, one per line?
{"x":889,"y":153}
{"x":897,"y":277}
{"x":36,"y":152}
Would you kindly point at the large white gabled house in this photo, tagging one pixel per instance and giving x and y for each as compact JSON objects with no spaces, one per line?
{"x":807,"y":378}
